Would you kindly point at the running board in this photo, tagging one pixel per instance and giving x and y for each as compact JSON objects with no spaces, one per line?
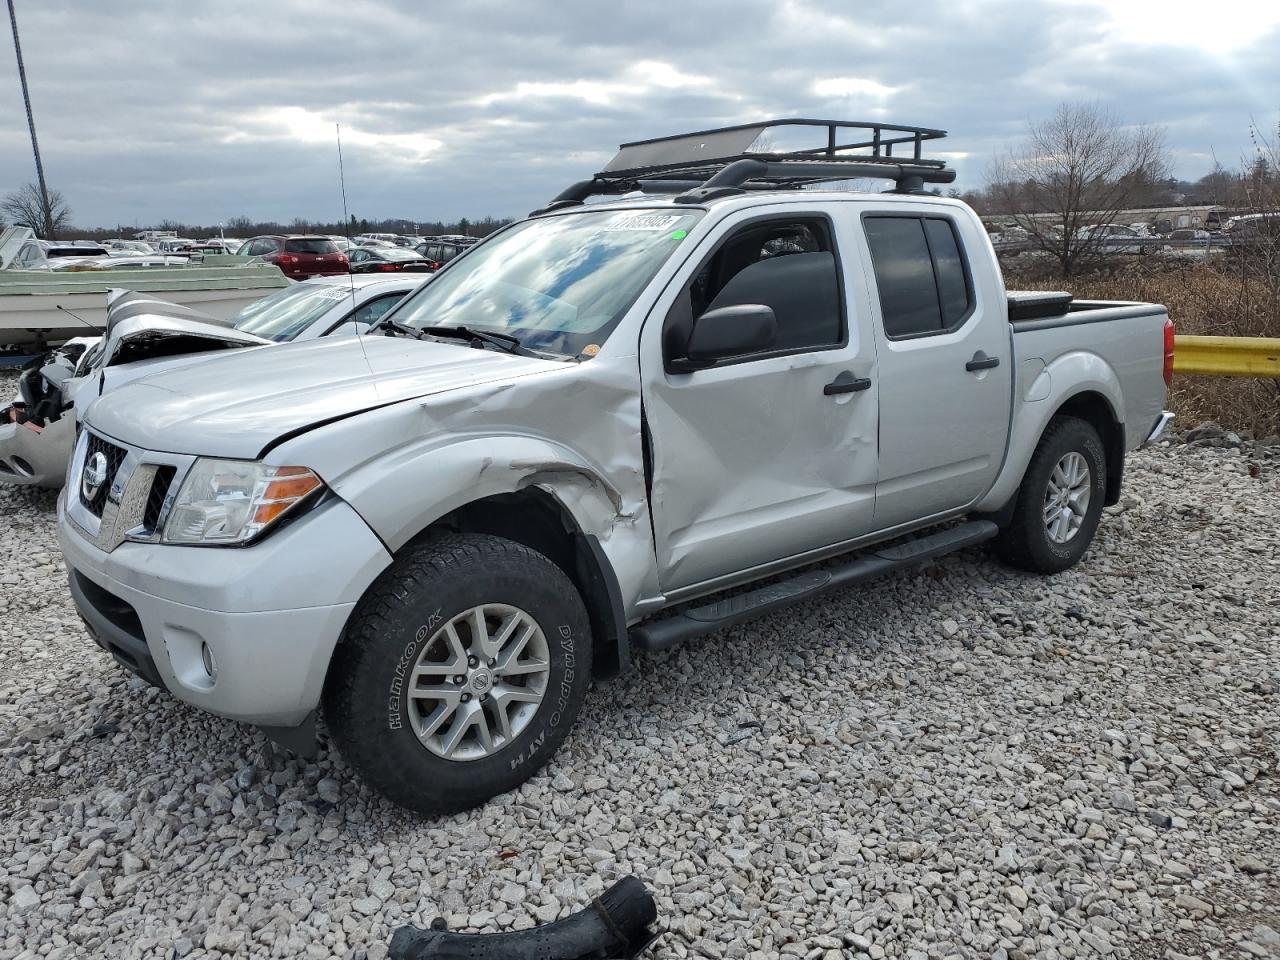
{"x":894,"y":555}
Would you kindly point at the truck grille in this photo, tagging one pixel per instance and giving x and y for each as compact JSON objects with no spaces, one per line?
{"x":155,"y":498}
{"x":115,"y":456}
{"x":131,"y":502}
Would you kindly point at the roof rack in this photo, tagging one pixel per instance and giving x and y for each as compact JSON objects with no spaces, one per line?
{"x":709,"y":164}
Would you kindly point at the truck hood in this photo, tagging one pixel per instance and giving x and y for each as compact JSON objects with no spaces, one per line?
{"x":237,"y":404}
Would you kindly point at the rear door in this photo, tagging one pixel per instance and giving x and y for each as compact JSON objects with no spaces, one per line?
{"x":944,"y":362}
{"x":772,"y":455}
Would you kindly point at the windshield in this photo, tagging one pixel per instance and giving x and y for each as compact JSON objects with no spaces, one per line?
{"x":559,"y":284}
{"x":286,"y":313}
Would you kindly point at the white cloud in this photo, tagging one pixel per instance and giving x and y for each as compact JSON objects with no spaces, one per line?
{"x":1220,"y":27}
{"x":311,"y":126}
{"x":635,"y":80}
{"x":853,"y":87}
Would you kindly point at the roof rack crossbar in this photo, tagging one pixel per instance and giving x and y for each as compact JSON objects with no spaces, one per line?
{"x":718,"y":162}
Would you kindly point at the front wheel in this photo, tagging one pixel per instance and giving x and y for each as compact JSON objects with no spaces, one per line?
{"x":1060,"y":500}
{"x":462,"y":671}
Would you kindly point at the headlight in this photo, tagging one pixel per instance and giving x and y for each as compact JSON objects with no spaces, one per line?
{"x":232,"y":501}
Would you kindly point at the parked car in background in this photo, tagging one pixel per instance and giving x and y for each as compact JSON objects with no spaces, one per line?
{"x":384,"y":237}
{"x":439,"y":252}
{"x":215,"y":245}
{"x":145,"y":335}
{"x":325,"y":306}
{"x":388,"y":260}
{"x":298,"y":257}
{"x":42,"y":254}
{"x":1253,"y":226}
{"x":1190,"y":235}
{"x":1111,"y":237}
{"x":127,"y":247}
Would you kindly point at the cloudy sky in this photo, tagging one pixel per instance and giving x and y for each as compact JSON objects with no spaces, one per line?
{"x":201,"y":112}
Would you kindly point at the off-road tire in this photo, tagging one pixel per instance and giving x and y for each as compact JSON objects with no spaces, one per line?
{"x":1025,"y":543}
{"x":364,"y":703}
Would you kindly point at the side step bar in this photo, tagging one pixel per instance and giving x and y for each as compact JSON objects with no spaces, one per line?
{"x":895,"y":555}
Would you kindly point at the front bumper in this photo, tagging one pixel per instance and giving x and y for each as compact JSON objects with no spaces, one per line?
{"x":267,"y":616}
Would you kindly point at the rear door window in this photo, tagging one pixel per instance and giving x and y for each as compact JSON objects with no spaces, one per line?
{"x":948,"y":269}
{"x":920,"y":273}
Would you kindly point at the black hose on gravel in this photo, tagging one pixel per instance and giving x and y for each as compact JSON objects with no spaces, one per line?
{"x":616,"y":926}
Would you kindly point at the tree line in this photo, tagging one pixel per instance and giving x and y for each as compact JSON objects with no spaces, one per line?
{"x":23,"y":208}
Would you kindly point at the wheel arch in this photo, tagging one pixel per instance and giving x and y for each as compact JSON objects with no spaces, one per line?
{"x":1096,"y":410}
{"x":1082,"y":384}
{"x":535,"y":517}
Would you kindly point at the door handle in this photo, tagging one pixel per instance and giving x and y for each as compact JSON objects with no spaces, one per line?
{"x":981,"y":361}
{"x":846,"y":382}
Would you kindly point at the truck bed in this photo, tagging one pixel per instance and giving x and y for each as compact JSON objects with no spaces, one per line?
{"x":1125,"y":340}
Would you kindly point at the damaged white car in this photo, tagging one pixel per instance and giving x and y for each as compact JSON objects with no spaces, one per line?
{"x":145,"y":335}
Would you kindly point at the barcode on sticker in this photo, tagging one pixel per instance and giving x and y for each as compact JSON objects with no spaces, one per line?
{"x":648,"y":221}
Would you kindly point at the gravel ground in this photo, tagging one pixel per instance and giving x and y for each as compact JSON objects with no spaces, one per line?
{"x":960,"y":762}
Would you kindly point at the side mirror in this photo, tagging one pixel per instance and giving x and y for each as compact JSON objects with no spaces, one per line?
{"x":728,"y":332}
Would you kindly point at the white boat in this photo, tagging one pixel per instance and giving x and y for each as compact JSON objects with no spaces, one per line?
{"x":41,"y":307}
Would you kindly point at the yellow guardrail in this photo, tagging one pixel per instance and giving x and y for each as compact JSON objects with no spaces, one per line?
{"x":1227,"y":356}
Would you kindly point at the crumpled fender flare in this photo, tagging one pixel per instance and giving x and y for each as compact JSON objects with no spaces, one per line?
{"x":402,"y":498}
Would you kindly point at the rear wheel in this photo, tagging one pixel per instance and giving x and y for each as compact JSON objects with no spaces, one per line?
{"x":1060,"y":500}
{"x":462,"y":671}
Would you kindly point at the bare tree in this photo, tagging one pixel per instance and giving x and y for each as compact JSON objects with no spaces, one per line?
{"x":1079,"y":168}
{"x":24,"y":208}
{"x":1256,"y":236}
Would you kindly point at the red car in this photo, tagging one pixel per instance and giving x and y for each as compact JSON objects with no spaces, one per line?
{"x":298,"y":257}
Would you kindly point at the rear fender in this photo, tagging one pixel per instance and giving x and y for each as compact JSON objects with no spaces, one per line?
{"x":1069,"y":376}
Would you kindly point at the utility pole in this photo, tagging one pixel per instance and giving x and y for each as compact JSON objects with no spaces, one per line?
{"x":31,"y":123}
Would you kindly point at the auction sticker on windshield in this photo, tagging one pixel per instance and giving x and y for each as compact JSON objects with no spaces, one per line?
{"x":647,"y":221}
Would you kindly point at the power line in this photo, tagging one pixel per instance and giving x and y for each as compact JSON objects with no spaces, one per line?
{"x":31,"y":123}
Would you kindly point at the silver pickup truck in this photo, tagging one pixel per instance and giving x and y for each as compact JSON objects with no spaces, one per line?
{"x":611,"y":425}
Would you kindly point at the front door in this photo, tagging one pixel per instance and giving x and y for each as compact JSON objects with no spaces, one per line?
{"x":944,"y":355}
{"x":770,"y":455}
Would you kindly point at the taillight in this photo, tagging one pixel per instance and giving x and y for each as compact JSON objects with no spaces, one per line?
{"x":342,"y":258}
{"x":387,"y":268}
{"x":286,"y":260}
{"x":1168,"y":353}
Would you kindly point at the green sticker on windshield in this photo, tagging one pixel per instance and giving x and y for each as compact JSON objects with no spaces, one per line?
{"x":679,"y":234}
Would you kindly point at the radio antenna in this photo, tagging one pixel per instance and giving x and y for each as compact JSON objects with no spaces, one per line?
{"x":91,"y":326}
{"x":346,"y":227}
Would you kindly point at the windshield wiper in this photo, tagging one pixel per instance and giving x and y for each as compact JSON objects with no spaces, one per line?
{"x":503,"y":341}
{"x":395,"y":326}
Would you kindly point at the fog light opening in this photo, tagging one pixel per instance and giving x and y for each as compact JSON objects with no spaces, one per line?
{"x":206,"y":656}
